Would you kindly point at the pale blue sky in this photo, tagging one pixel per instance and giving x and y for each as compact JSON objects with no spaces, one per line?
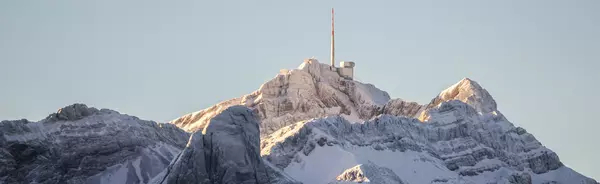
{"x":161,"y":59}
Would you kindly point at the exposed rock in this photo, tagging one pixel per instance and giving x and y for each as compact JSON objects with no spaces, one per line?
{"x":227,"y":151}
{"x":85,"y":145}
{"x":520,"y":178}
{"x":311,"y":91}
{"x":189,"y":166}
{"x":73,"y":112}
{"x":399,"y":107}
{"x":544,"y":162}
{"x":456,"y":138}
{"x":368,"y":173}
{"x":469,"y":92}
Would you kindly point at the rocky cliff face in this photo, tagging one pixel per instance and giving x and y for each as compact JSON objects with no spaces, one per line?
{"x":460,"y":137}
{"x":226,"y":151}
{"x":311,"y":91}
{"x":314,"y":91}
{"x":472,"y":149}
{"x":469,"y":92}
{"x":370,"y":173}
{"x":86,"y":145}
{"x":398,"y":107}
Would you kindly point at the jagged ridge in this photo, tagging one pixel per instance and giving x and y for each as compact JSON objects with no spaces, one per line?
{"x":471,"y":148}
{"x":86,"y":145}
{"x":311,"y":91}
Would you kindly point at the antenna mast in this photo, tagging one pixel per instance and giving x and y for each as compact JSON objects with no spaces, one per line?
{"x":332,"y":42}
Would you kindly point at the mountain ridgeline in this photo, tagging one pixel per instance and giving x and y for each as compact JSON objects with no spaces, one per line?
{"x":306,"y":125}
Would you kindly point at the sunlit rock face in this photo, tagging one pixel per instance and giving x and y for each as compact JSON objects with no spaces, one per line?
{"x":312,"y":90}
{"x":469,"y":92}
{"x":80,"y":144}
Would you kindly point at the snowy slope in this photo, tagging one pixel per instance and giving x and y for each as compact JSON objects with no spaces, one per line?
{"x":86,"y":145}
{"x":460,"y":137}
{"x":466,"y":151}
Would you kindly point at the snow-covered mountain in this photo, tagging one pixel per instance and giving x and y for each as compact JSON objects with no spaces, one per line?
{"x":320,"y":128}
{"x":465,"y":147}
{"x":79,"y":144}
{"x":306,"y":125}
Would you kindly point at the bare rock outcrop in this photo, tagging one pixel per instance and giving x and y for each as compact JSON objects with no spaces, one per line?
{"x":312,"y":90}
{"x":226,"y":151}
{"x":368,"y":173}
{"x":80,"y":144}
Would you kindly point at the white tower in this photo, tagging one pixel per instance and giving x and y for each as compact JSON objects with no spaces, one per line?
{"x":332,"y":42}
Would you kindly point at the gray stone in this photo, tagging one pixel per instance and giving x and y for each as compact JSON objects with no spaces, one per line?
{"x":370,"y":173}
{"x":73,"y":112}
{"x":227,"y":152}
{"x":85,"y":145}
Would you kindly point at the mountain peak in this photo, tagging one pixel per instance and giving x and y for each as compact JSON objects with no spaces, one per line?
{"x":75,"y":111}
{"x":470,"y":92}
{"x":313,"y":90}
{"x":464,"y":85}
{"x":321,"y":72}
